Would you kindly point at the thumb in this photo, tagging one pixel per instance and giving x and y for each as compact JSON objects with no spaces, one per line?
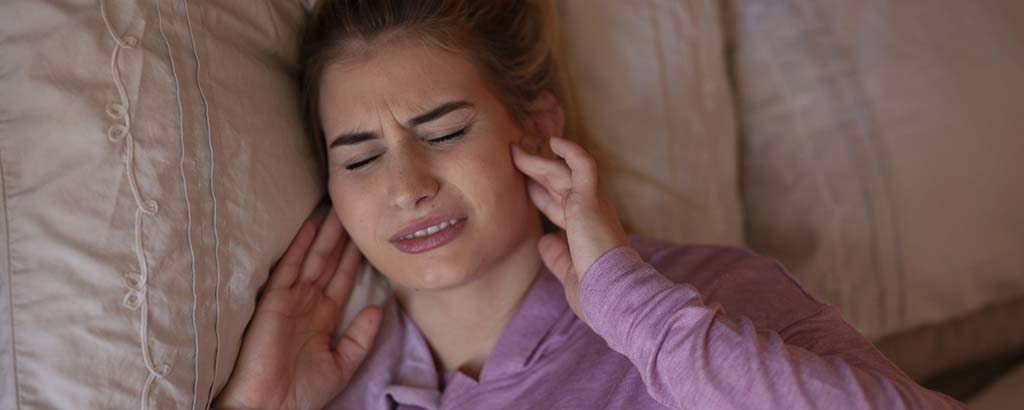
{"x":357,"y":341}
{"x":554,"y":251}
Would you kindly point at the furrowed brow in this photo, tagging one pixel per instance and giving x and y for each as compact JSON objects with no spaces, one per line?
{"x":437,"y":112}
{"x":351,"y":138}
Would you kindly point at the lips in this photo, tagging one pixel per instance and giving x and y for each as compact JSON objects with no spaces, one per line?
{"x":429,"y":233}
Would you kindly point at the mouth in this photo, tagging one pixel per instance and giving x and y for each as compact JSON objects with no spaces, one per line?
{"x":428,"y":233}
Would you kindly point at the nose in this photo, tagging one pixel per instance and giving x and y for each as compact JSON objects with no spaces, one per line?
{"x":412,"y":181}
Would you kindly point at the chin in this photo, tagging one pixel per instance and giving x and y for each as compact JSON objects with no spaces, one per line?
{"x":435,"y":277}
{"x":443,"y":268}
{"x":443,"y":279}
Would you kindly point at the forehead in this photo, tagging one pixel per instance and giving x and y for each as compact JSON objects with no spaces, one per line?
{"x":401,"y":79}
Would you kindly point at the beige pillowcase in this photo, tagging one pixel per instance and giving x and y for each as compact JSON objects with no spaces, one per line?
{"x":652,"y":87}
{"x":1005,"y":393}
{"x":882,"y":145}
{"x":152,"y":169}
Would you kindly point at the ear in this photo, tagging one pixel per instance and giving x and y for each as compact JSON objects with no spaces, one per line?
{"x":544,"y":119}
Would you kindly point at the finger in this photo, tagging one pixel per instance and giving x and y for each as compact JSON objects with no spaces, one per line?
{"x":582,"y":165}
{"x":550,"y":206}
{"x":357,"y":341}
{"x":554,"y":174}
{"x":288,"y":267}
{"x":323,"y":245}
{"x":331,"y":266}
{"x":340,"y":286}
{"x":554,"y":251}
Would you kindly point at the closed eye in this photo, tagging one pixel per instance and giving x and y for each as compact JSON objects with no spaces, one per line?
{"x":361,"y":163}
{"x":439,"y":140}
{"x":453,"y":136}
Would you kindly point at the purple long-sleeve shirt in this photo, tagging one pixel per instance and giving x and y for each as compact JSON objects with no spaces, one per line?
{"x":670,"y":327}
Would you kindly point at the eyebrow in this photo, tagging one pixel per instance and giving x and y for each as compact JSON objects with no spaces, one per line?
{"x":438,"y":112}
{"x":352,"y":138}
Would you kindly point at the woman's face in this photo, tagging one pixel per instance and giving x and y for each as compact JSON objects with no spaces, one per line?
{"x":420,"y":168}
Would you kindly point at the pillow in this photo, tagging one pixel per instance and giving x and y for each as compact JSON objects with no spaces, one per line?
{"x":652,"y":86}
{"x":881,"y":153}
{"x":1003,"y":394}
{"x":153,"y":167}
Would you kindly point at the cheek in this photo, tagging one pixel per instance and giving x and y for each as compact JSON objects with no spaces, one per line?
{"x":489,"y":173}
{"x":355,"y":212}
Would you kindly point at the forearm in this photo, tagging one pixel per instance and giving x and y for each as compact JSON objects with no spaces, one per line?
{"x":691,"y":354}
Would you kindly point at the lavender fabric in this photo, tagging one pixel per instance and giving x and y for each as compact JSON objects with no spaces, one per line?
{"x":670,"y":327}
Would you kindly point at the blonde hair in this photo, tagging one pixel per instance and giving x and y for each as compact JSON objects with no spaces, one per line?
{"x":512,"y":42}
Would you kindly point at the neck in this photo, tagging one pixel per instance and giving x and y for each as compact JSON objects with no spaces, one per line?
{"x":462,"y":324}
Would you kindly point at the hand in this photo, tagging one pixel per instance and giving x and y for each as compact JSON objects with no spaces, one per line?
{"x":565,"y":190}
{"x":286,"y":361}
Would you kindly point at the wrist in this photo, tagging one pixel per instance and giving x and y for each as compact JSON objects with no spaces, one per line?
{"x":601,"y":280}
{"x":229,"y":400}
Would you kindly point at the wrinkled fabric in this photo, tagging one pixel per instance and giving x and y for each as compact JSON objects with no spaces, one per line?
{"x":881,"y":145}
{"x":1004,"y":393}
{"x":147,"y":219}
{"x":653,"y":90}
{"x":671,"y":327}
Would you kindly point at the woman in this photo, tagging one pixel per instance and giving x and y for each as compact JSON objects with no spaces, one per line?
{"x":444,"y":137}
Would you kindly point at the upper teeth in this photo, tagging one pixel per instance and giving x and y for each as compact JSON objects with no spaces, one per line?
{"x":430,"y":230}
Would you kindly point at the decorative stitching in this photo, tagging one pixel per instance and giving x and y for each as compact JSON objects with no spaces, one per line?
{"x":138,"y":283}
{"x":213,"y":195}
{"x":10,"y":284}
{"x":184,"y":188}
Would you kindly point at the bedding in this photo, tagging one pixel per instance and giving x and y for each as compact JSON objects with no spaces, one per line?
{"x":1005,"y":393}
{"x":881,"y":145}
{"x":651,"y":84}
{"x":153,"y":167}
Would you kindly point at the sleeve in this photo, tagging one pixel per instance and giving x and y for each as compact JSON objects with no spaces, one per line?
{"x":691,"y":355}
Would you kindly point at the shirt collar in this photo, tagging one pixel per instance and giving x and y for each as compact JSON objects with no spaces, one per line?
{"x":530,"y":330}
{"x":542,"y":321}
